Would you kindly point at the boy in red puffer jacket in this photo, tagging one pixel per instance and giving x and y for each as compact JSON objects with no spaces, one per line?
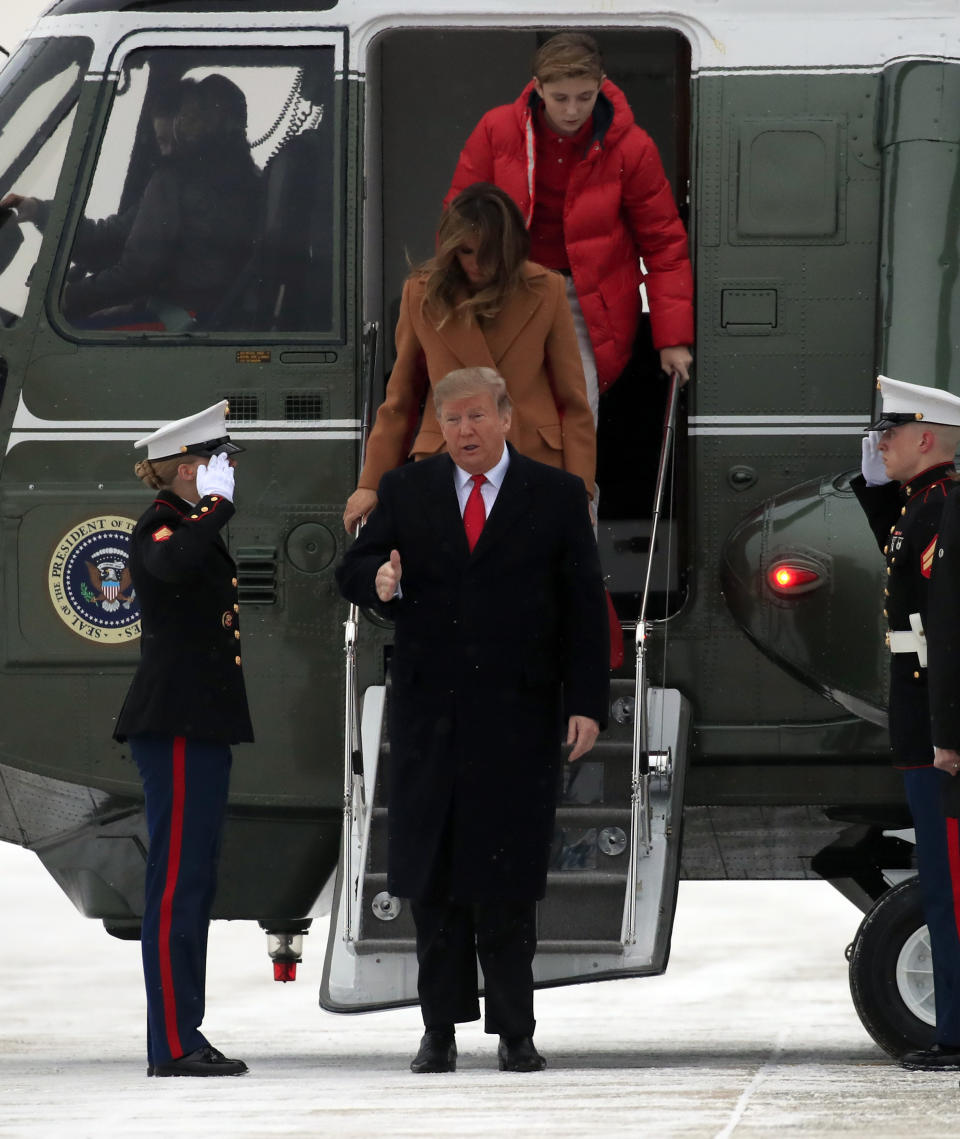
{"x":592,"y":190}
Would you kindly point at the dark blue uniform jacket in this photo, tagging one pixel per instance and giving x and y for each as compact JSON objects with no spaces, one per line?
{"x":905,"y":519}
{"x":189,"y":681}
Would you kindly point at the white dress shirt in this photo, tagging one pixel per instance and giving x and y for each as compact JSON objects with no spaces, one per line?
{"x":463,"y":481}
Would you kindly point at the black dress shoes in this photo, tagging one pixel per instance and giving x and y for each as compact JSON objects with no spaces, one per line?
{"x":206,"y":1061}
{"x":519,"y":1054}
{"x":938,"y":1058}
{"x":438,"y":1053}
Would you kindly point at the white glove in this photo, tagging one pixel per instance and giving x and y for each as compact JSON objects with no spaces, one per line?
{"x":871,"y":464}
{"x":216,"y":478}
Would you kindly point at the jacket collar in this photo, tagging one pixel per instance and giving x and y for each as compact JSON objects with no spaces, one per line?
{"x":174,"y":501}
{"x":611,"y":107}
{"x":512,"y":501}
{"x":926,"y":479}
{"x":476,"y":345}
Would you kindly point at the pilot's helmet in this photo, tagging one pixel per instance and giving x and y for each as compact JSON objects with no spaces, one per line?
{"x":203,"y":434}
{"x":913,"y":403}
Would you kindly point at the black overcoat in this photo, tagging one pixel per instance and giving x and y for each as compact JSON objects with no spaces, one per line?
{"x":905,"y":521}
{"x":493,"y":651}
{"x":189,"y":681}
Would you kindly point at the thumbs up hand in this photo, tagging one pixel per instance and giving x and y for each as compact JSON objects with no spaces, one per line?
{"x":387,"y":581}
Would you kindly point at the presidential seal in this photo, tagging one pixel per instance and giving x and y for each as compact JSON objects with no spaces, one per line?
{"x":90,"y":584}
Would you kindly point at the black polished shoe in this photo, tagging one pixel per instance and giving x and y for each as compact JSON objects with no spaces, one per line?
{"x":438,"y":1053}
{"x":938,"y":1058}
{"x":206,"y":1061}
{"x":519,"y":1054}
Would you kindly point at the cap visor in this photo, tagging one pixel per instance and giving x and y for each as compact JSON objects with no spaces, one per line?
{"x":891,"y":419}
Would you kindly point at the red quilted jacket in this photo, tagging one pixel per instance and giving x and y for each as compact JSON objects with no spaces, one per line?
{"x":619,"y":207}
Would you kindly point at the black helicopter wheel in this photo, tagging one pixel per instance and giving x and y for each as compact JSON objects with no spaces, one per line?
{"x":891,"y":972}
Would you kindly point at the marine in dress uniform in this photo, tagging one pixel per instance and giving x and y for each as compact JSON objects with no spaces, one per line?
{"x":907,"y":478}
{"x":486,"y":562}
{"x":186,"y":705}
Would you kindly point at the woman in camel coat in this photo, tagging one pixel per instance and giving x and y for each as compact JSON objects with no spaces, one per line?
{"x":481,"y":303}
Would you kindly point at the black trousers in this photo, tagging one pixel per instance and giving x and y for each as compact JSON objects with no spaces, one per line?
{"x":451,"y":937}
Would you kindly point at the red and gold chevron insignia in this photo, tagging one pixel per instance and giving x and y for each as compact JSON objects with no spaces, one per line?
{"x":926,"y":558}
{"x":165,"y":532}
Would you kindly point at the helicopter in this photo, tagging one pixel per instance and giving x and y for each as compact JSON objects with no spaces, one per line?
{"x":812,"y":155}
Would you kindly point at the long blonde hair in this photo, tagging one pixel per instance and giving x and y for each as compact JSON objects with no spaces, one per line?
{"x":482,"y":214}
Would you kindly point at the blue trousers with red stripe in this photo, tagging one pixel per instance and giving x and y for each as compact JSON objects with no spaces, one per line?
{"x":185,"y":786}
{"x":938,"y":869}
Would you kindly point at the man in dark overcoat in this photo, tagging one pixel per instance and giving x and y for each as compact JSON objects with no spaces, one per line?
{"x":906,"y":477}
{"x":486,"y":562}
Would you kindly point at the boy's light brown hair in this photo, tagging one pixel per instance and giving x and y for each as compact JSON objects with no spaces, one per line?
{"x":568,"y":55}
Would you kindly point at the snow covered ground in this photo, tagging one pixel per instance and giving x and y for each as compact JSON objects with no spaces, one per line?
{"x":749,"y":1034}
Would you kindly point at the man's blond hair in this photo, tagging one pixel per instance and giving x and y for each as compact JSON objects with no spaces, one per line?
{"x":471,"y":381}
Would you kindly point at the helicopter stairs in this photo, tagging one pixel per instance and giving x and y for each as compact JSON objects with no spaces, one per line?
{"x":587,"y":927}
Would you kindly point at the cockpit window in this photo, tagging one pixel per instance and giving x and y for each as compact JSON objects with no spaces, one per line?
{"x":39,"y":88}
{"x":213,"y":204}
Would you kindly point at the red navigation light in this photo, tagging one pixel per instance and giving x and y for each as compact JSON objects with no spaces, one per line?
{"x":789,"y":578}
{"x":284,"y":971}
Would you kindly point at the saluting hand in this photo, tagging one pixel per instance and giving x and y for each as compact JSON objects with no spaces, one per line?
{"x":872,"y":466}
{"x":582,"y":732}
{"x":216,"y":478}
{"x":387,"y":581}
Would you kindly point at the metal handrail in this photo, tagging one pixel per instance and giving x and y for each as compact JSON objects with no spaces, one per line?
{"x":352,"y":746}
{"x":640,"y":822}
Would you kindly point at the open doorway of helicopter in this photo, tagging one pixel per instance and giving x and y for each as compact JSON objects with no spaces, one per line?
{"x":416,"y":130}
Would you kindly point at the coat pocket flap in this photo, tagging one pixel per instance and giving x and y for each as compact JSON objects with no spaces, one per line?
{"x":426,"y":443}
{"x":552,"y":435}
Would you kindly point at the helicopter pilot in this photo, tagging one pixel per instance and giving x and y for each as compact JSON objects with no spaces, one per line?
{"x":185,"y":707}
{"x":907,"y":474}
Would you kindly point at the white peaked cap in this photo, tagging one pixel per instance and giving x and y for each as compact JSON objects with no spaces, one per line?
{"x":203,"y":434}
{"x":905,"y":403}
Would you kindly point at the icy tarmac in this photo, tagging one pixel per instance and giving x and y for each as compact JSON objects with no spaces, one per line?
{"x":750,"y":1033}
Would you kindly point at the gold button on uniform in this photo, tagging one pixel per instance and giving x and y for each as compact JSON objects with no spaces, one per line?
{"x":214,"y":497}
{"x":234,"y":583}
{"x":236,"y":608}
{"x":886,"y":549}
{"x":236,"y":633}
{"x":916,"y":675}
{"x":204,"y":509}
{"x":237,"y":659}
{"x":194,"y":516}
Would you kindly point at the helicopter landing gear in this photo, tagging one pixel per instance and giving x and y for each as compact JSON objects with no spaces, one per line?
{"x":891,"y":972}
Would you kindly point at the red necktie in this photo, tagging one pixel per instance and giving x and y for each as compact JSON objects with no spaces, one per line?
{"x":474,"y":513}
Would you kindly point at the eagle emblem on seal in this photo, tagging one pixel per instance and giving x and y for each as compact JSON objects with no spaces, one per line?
{"x":112,"y":584}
